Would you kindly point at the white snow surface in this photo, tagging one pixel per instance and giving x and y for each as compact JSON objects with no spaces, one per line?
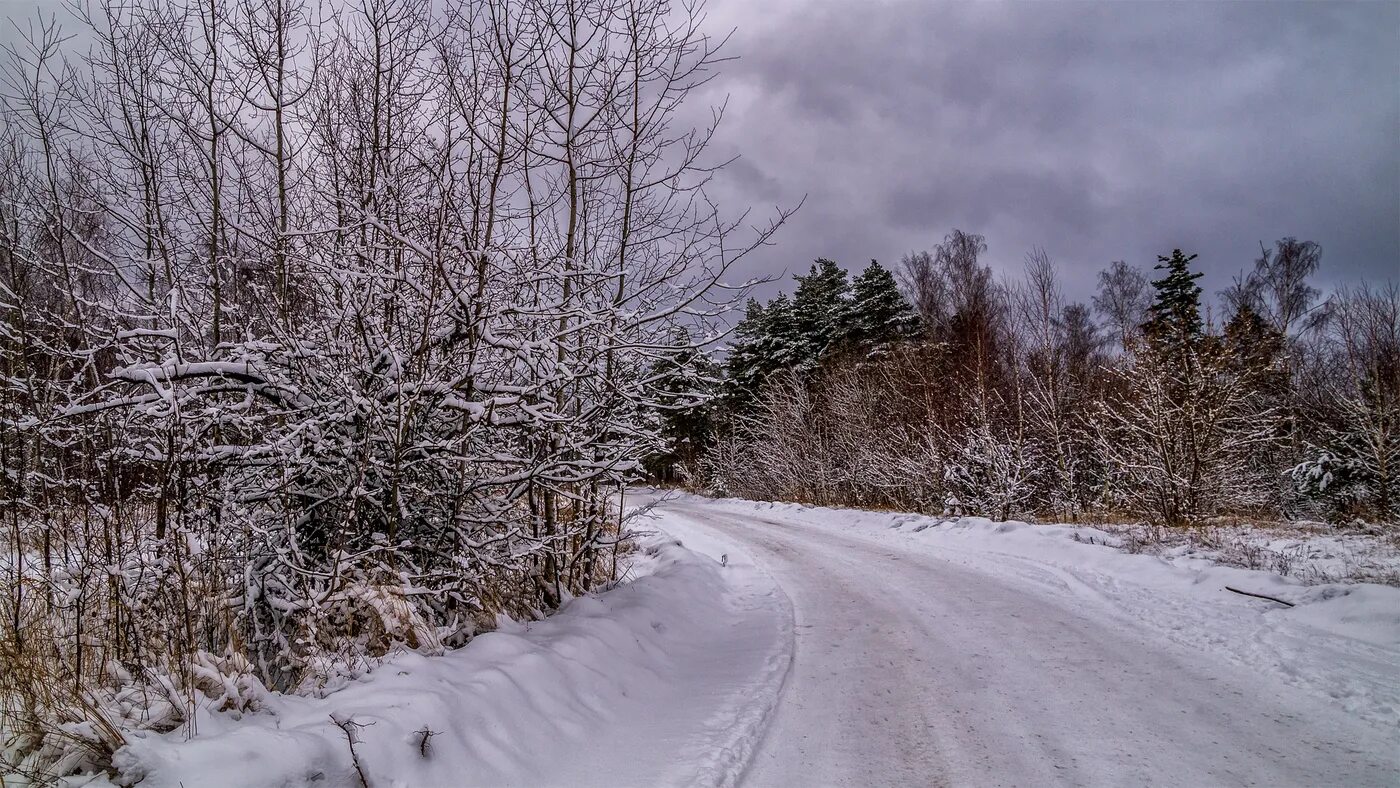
{"x":666,"y":679}
{"x":970,"y":652}
{"x":1312,"y":552}
{"x":906,"y":650}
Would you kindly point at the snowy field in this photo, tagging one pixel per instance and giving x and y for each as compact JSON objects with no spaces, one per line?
{"x":791,"y":645}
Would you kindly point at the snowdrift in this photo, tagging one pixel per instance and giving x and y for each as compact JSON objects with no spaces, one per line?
{"x":685,"y":659}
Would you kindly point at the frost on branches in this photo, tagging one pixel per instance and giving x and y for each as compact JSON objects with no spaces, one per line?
{"x":321,"y":339}
{"x":1007,"y":401}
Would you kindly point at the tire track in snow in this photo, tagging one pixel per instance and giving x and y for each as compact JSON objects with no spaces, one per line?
{"x":911,"y":669}
{"x":762,"y":613}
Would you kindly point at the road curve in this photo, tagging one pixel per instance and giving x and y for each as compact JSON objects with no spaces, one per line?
{"x":913,"y":670}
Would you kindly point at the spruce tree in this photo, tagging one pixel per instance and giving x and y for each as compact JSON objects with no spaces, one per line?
{"x":819,"y":308}
{"x":786,"y":342}
{"x":1175,"y":323}
{"x":1254,"y":350}
{"x":879,"y":313}
{"x":743,"y":367}
{"x":765,"y":341}
{"x":684,"y":384}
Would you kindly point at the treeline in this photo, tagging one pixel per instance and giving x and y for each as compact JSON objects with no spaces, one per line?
{"x":322,"y":331}
{"x":954,"y":392}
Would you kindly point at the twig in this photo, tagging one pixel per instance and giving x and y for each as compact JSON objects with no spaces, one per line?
{"x":1260,"y":596}
{"x":348,"y":727}
{"x":424,"y":736}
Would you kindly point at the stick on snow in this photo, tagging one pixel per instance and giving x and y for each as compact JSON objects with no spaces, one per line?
{"x":1260,"y":596}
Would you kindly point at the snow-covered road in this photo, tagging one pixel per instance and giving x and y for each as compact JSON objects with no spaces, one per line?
{"x":782,"y":645}
{"x":923,"y":662}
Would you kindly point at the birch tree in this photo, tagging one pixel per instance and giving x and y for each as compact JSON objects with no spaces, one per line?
{"x":331,"y":330}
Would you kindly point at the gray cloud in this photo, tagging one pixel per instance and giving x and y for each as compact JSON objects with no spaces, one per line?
{"x":1100,"y":131}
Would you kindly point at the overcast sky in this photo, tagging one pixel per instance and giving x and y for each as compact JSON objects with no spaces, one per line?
{"x":1099,"y":131}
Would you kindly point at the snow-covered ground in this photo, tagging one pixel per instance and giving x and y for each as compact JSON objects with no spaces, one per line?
{"x":665,"y":680}
{"x":969,"y":652}
{"x":906,"y":650}
{"x":1310,"y":552}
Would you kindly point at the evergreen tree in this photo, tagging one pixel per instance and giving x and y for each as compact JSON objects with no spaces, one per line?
{"x":819,"y":309}
{"x":684,"y":384}
{"x":826,"y":311}
{"x":744,"y":366}
{"x":1254,"y":350}
{"x":785,"y":343}
{"x":1352,"y":468}
{"x":749,"y":359}
{"x":1249,"y":358}
{"x":1175,"y":323}
{"x":1189,"y":432}
{"x":766,"y":341}
{"x":879,"y":313}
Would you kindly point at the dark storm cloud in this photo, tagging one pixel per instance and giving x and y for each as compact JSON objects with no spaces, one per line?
{"x":1099,"y":131}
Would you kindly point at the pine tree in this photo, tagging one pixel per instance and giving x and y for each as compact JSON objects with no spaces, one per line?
{"x":1175,"y":323}
{"x":879,"y":313}
{"x":1254,"y":350}
{"x":684,"y":384}
{"x":785,"y":343}
{"x":766,"y":340}
{"x":1249,"y":358}
{"x":744,"y":366}
{"x":1188,"y":432}
{"x":819,"y":308}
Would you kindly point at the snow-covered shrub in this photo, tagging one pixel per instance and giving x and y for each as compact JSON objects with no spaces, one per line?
{"x":1182,"y":436}
{"x":1352,"y":470}
{"x":303,"y":376}
{"x":1331,"y":481}
{"x":989,"y":475}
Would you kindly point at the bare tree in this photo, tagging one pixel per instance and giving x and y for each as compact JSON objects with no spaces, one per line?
{"x":1122,"y":300}
{"x":1351,"y":464}
{"x":1279,"y":283}
{"x":323,"y":334}
{"x":927,"y":288}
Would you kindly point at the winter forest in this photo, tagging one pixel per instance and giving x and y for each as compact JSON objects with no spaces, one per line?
{"x":325,"y":335}
{"x":938,"y":387}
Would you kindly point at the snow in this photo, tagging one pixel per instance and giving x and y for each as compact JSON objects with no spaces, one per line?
{"x":972,"y":652}
{"x":905,"y":650}
{"x":1311,"y":552}
{"x":664,"y":680}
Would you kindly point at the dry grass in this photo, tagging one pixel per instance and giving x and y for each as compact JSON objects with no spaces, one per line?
{"x":1314,"y":553}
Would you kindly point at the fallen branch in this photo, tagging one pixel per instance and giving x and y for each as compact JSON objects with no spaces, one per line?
{"x":1260,"y":596}
{"x":424,"y":736}
{"x":349,"y":727}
